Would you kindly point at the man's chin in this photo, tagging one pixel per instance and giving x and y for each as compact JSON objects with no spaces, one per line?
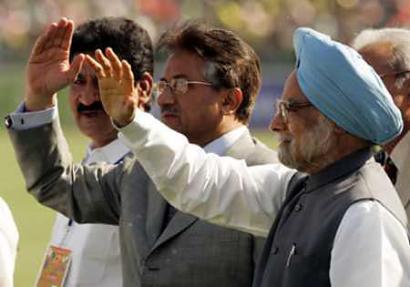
{"x":92,"y":115}
{"x":172,"y":123}
{"x":285,"y":156}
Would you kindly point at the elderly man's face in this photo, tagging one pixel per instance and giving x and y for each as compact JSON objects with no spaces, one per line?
{"x":396,"y":80}
{"x":305,"y":135}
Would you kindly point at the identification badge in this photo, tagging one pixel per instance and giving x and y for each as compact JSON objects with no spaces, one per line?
{"x":55,"y":267}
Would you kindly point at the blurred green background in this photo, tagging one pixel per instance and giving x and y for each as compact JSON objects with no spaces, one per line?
{"x":266,"y":24}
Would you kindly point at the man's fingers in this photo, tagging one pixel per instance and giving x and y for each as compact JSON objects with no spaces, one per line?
{"x":96,"y":66}
{"x":128,"y":76}
{"x":104,"y":62}
{"x":68,"y":35}
{"x":50,"y":36}
{"x":61,"y":29}
{"x":115,"y":63}
{"x":42,"y":40}
{"x":75,"y":67}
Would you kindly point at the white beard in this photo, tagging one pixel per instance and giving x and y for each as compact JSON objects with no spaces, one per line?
{"x":312,"y":148}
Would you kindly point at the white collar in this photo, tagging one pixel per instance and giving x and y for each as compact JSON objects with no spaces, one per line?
{"x":221,"y":145}
{"x":110,"y":153}
{"x":400,"y":152}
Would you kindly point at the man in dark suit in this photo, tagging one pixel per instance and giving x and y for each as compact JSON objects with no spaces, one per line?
{"x":207,"y":92}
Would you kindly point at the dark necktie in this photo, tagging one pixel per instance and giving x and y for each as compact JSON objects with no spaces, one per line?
{"x":391,"y":170}
{"x":168,"y":214}
{"x":388,"y":165}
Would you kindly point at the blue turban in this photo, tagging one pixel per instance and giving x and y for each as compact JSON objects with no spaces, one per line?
{"x":343,"y":87}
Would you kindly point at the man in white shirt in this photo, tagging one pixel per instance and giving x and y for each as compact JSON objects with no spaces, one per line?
{"x":342,"y":223}
{"x":206,"y":94}
{"x":94,"y":248}
{"x":8,"y":245}
{"x":387,"y":50}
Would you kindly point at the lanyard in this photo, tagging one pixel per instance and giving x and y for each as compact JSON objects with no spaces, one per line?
{"x":67,"y":231}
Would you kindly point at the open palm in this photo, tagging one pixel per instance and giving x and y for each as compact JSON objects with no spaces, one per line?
{"x":116,"y":84}
{"x":48,"y":69}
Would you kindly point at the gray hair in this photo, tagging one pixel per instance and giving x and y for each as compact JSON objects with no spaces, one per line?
{"x":399,"y":38}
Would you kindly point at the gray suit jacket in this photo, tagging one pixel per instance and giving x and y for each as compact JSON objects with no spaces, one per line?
{"x":188,"y":252}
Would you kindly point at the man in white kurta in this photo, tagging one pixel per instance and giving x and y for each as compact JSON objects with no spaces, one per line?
{"x":370,"y":246}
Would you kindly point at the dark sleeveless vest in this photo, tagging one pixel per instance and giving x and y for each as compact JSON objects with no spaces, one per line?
{"x":297,"y":251}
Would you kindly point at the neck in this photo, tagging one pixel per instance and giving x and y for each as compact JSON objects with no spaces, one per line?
{"x":343,"y":146}
{"x":99,"y":143}
{"x":222,"y":129}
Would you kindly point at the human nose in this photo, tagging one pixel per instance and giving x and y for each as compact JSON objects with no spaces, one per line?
{"x":90,"y":94}
{"x":165,"y":96}
{"x":277,"y":124}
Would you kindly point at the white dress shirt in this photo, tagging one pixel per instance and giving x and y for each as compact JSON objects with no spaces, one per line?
{"x":8,"y":245}
{"x":96,"y":257}
{"x":370,"y":248}
{"x":401,"y":158}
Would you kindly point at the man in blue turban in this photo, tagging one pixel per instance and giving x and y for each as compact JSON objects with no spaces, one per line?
{"x":336,"y":222}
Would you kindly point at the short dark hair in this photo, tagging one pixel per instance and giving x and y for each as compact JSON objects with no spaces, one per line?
{"x":129,"y":41}
{"x":232,"y":62}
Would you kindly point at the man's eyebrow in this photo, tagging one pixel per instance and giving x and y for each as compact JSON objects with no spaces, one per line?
{"x":178,"y":76}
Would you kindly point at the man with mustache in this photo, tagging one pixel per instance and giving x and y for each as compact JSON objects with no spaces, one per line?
{"x":94,"y":248}
{"x":341,"y":223}
{"x":387,"y":50}
{"x":207,"y":92}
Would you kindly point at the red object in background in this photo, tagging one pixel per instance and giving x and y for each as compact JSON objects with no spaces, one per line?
{"x":162,"y":10}
{"x":402,"y":16}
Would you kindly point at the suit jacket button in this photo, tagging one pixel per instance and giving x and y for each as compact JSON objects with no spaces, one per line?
{"x":152,"y":268}
{"x":298,"y":207}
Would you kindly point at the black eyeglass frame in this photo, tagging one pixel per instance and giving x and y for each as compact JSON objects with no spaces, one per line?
{"x":394,"y":74}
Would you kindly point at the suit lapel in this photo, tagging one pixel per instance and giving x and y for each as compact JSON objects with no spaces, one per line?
{"x":243,"y":147}
{"x":178,"y":224}
{"x":181,"y":221}
{"x":155,"y":214}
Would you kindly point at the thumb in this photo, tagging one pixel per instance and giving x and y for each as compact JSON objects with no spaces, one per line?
{"x":75,"y":67}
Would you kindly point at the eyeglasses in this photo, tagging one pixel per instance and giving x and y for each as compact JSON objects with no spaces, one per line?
{"x":395,"y":74}
{"x":284,"y":107}
{"x":178,"y":86}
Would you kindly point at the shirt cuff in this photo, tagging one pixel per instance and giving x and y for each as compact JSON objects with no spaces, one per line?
{"x":132,"y":134}
{"x":22,"y":120}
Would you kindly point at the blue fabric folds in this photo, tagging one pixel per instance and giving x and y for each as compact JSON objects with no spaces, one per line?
{"x":343,"y":87}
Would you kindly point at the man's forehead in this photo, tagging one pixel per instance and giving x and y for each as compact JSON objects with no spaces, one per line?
{"x":292,"y":89}
{"x":183,"y":63}
{"x":378,"y":56}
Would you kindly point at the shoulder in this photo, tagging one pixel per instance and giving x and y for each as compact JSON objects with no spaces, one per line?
{"x":261,"y":154}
